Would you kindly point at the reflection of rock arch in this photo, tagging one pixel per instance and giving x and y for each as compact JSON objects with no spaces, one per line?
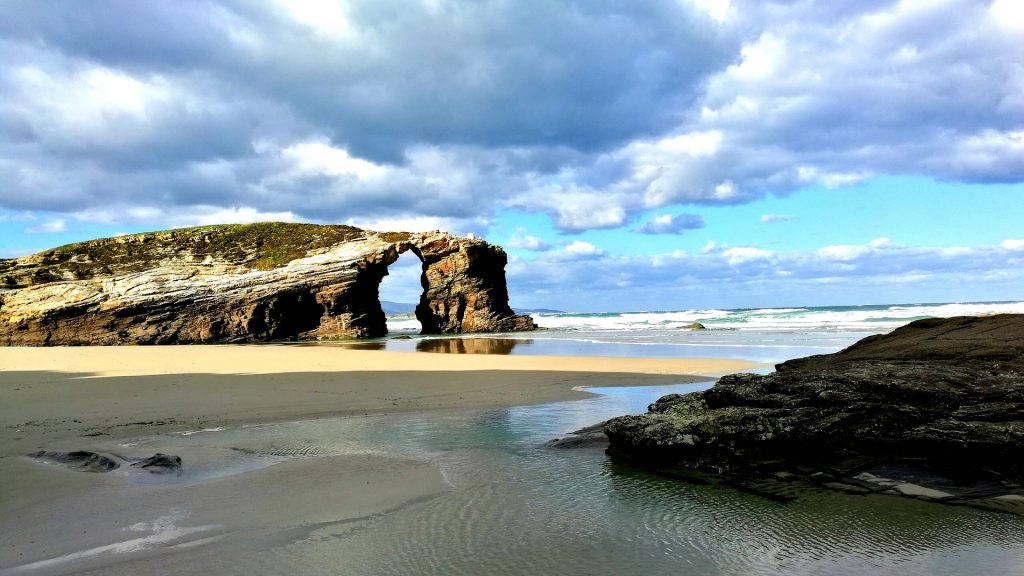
{"x":481,"y":345}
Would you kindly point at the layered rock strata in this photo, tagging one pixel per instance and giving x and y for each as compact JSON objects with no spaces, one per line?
{"x":934,"y":410}
{"x":246,"y":283}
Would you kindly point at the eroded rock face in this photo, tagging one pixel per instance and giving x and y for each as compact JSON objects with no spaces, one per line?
{"x":248,"y":283}
{"x":464,"y":287}
{"x":937,"y":404}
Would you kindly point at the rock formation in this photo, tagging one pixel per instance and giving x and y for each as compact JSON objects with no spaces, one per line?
{"x":934,"y":410}
{"x":86,"y":461}
{"x":246,"y":283}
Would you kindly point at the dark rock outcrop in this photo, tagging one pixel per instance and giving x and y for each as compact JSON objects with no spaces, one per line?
{"x":933,"y":410}
{"x":160,"y":464}
{"x":246,"y":283}
{"x":86,"y":461}
{"x":82,"y":460}
{"x":588,"y":437}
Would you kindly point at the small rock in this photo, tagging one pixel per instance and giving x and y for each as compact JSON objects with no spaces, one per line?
{"x":160,"y":464}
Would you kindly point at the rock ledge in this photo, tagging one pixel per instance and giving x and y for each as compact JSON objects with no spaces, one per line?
{"x":933,"y":410}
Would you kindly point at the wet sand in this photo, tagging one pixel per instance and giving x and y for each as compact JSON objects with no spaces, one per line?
{"x":54,"y":393}
{"x":55,"y":521}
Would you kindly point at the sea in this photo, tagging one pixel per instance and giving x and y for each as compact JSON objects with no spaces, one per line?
{"x":762,"y":335}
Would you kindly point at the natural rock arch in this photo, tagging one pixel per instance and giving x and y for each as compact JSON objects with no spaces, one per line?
{"x":463,"y":290}
{"x":247,"y":283}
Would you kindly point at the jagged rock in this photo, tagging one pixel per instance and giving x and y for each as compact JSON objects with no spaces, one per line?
{"x":933,"y":408}
{"x":244,"y":283}
{"x":464,"y":287}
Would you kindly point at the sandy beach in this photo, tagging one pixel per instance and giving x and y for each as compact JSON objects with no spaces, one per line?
{"x":54,"y":520}
{"x":57,"y":393}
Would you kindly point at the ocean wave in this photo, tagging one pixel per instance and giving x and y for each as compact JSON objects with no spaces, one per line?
{"x":869,"y":318}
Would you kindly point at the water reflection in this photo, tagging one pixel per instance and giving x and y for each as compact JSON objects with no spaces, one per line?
{"x":517,"y":508}
{"x":374,"y":345}
{"x":754,"y":346}
{"x":469,"y":345}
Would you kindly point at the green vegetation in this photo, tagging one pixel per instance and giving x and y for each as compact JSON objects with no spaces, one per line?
{"x":262,"y":246}
{"x":396,"y":236}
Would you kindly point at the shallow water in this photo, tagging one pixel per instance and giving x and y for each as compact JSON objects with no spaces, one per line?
{"x":768,"y":335}
{"x":516,"y":507}
{"x":754,"y":346}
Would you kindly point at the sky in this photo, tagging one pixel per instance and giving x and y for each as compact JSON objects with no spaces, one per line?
{"x":666,"y":154}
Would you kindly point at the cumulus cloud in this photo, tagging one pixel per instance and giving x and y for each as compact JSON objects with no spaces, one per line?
{"x":448,"y":111}
{"x":672,"y":224}
{"x":581,"y":249}
{"x":380,"y":108}
{"x":1013,"y":245}
{"x":521,"y":240}
{"x":844,"y":252}
{"x":880,"y":270}
{"x":829,"y":95}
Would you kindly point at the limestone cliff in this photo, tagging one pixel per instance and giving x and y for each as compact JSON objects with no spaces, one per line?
{"x":246,"y":283}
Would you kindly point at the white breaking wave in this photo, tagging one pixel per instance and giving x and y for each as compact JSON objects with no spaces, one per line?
{"x":847,"y":318}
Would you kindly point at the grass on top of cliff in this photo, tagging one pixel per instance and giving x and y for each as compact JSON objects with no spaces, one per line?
{"x":263,"y":246}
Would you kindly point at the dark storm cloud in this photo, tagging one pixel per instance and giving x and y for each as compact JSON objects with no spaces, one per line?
{"x":580,"y":74}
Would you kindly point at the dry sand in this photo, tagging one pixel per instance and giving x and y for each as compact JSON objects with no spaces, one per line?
{"x":56,"y":521}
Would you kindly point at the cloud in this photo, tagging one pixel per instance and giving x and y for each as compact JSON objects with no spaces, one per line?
{"x":581,"y":249}
{"x":773,"y":218}
{"x":235,"y":215}
{"x":881,"y":270}
{"x":377,"y":108}
{"x":845,"y":252}
{"x":520,"y":240}
{"x":1013,"y":245}
{"x":450,"y":111}
{"x":669,"y":224}
{"x":828,"y":96}
{"x":48,"y":227}
{"x":421,"y":224}
{"x":746,"y":254}
{"x":17,"y":217}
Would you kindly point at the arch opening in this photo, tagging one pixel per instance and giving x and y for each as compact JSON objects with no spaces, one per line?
{"x":400,"y":291}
